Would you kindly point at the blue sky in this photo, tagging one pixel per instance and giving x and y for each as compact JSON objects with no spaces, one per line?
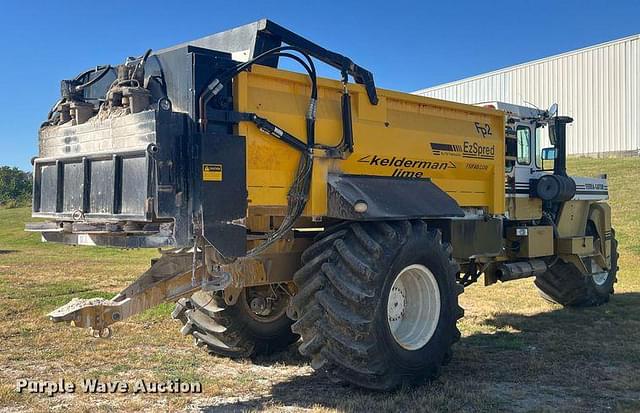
{"x":408,"y":45}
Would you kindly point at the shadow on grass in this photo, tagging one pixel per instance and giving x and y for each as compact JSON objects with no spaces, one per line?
{"x":3,"y":252}
{"x":566,"y":359}
{"x":288,"y":357}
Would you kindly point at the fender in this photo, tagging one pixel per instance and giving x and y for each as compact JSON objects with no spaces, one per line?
{"x":600,"y":215}
{"x":387,"y":198}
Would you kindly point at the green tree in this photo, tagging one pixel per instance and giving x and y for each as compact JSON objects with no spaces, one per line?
{"x":15,"y":186}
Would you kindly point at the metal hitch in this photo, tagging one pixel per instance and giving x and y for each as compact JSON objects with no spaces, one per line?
{"x":170,"y":277}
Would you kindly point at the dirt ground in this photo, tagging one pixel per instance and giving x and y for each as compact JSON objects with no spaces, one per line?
{"x":517,"y":352}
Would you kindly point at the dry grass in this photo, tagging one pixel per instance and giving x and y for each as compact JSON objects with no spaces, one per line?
{"x":517,"y":353}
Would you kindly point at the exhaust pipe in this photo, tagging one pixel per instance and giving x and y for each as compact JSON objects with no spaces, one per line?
{"x":558,"y":137}
{"x":522,"y":269}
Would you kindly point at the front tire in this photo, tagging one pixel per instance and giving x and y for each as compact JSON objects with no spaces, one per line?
{"x":564,"y":284}
{"x":378,"y":303}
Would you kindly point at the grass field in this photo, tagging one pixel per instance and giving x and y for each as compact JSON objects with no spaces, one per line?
{"x":517,"y":353}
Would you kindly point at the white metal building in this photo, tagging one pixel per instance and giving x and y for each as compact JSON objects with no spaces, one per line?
{"x":599,"y":86}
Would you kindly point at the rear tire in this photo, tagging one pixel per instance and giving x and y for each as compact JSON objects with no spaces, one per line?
{"x":564,"y":284}
{"x":234,"y":331}
{"x":354,"y":327}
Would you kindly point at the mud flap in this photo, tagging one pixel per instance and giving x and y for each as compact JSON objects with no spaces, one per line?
{"x":388,"y":198}
{"x":222,"y":195}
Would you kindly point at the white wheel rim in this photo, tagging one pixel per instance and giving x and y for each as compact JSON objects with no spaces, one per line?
{"x":599,"y":275}
{"x":413,"y":307}
{"x":600,"y":278}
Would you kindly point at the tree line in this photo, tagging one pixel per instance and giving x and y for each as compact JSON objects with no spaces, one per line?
{"x":15,"y":187}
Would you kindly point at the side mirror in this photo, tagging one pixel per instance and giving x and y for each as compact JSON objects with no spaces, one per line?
{"x":553,"y":110}
{"x":548,"y":154}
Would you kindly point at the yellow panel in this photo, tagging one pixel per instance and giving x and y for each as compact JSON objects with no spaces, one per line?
{"x":538,"y":241}
{"x":524,"y":208}
{"x":573,"y":218}
{"x":575,"y":245}
{"x":459,"y":147}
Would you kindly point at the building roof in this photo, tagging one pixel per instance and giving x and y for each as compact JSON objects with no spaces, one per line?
{"x":530,"y":63}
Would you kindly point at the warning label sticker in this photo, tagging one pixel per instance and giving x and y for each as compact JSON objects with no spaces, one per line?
{"x":212,"y":172}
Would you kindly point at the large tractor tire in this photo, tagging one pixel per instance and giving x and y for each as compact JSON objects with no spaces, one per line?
{"x":256,"y":324}
{"x":564,"y":284}
{"x":377,"y":303}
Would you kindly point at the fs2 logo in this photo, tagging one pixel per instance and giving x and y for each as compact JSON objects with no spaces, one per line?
{"x":484,"y":130}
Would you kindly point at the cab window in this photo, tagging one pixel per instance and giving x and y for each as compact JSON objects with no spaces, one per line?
{"x":523,"y":135}
{"x":542,"y":141}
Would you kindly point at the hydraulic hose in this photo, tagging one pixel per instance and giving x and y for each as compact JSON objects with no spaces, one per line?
{"x":103,"y":73}
{"x":218,"y":84}
{"x":299,"y":191}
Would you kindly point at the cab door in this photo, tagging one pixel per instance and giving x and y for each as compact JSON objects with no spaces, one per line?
{"x":519,"y":205}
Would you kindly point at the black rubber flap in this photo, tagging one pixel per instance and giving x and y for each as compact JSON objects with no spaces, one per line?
{"x":223,"y":192}
{"x":388,"y":198}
